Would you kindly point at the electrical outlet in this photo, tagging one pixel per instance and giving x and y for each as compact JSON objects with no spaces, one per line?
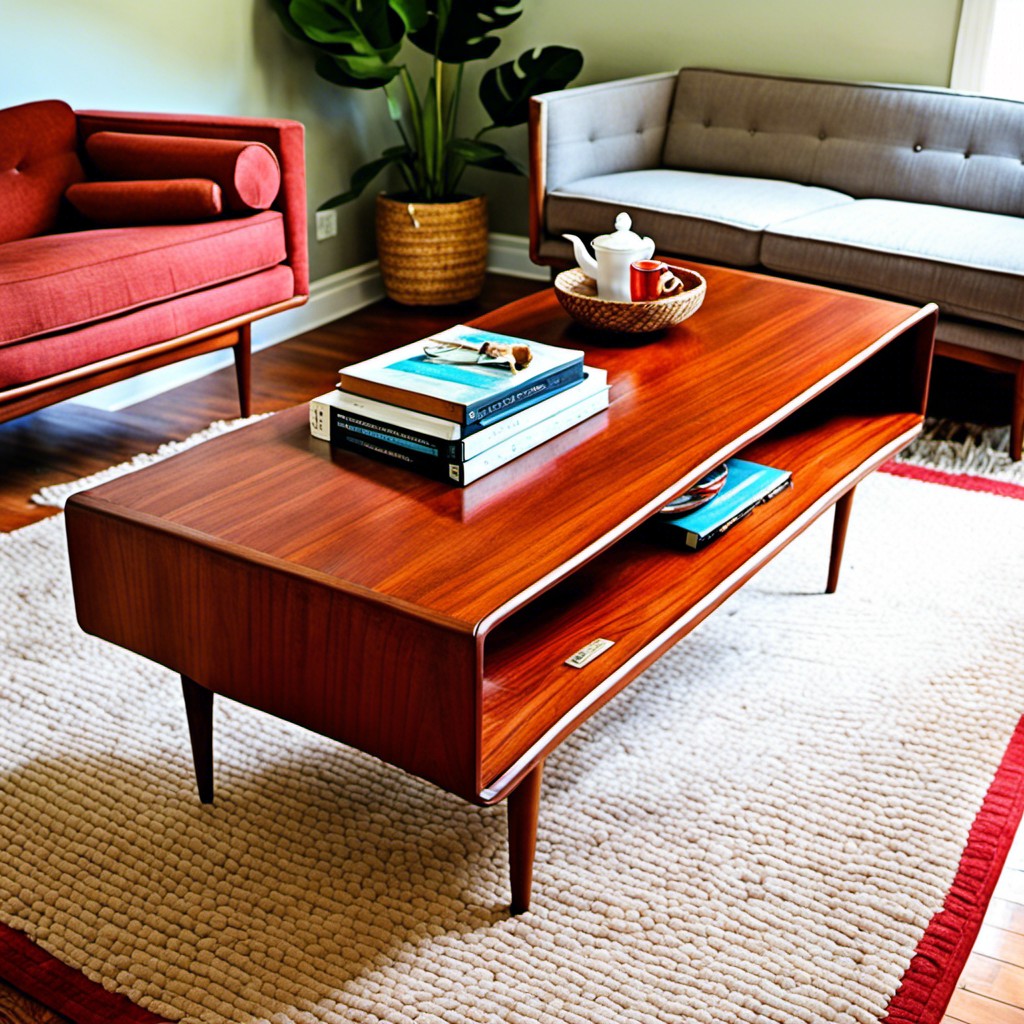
{"x":326,"y":224}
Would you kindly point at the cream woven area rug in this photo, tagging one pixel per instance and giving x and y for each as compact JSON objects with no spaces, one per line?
{"x":758,"y":829}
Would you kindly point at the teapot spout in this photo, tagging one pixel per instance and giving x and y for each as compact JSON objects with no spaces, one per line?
{"x":586,"y":262}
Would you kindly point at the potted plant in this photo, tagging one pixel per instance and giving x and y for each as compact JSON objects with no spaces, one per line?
{"x":431,"y":237}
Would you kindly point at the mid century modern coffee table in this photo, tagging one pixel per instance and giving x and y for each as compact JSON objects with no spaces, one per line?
{"x":430,"y":625}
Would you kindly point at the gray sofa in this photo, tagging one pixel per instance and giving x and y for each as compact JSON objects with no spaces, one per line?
{"x":901,"y":191}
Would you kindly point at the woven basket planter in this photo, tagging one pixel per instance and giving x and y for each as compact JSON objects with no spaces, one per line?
{"x":432,"y":254}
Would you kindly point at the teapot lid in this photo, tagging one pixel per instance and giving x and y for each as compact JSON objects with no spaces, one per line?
{"x":623,"y":238}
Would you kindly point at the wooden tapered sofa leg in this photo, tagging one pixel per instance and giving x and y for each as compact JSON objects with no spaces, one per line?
{"x":1017,"y":415}
{"x":243,"y":368}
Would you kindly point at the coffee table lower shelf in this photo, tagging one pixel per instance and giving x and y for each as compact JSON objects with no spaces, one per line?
{"x":644,"y":597}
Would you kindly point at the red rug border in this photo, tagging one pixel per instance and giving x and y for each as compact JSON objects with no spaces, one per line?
{"x":925,"y":989}
{"x":964,"y":481}
{"x":930,"y":981}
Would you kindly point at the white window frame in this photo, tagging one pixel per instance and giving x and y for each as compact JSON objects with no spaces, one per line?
{"x":977,"y":40}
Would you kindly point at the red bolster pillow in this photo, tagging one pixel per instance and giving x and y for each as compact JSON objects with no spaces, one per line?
{"x":247,"y":172}
{"x":128,"y":203}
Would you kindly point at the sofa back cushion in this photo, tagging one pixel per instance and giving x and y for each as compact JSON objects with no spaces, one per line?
{"x":869,"y":141}
{"x":38,"y":161}
{"x":246,"y":172}
{"x":128,"y":203}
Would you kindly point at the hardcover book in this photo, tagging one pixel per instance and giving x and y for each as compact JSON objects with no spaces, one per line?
{"x":339,"y":411}
{"x":747,"y":485}
{"x":463,"y":388}
{"x":500,"y":454}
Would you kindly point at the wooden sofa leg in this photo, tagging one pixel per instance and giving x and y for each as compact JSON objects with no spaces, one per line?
{"x":1017,"y":415}
{"x":243,"y":368}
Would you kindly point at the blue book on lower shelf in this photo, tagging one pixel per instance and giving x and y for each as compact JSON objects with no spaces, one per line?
{"x":747,"y":485}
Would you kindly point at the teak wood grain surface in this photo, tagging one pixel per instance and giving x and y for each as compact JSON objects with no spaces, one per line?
{"x":429,"y":625}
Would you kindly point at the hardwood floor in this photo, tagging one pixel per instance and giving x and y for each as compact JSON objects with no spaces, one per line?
{"x":70,"y":441}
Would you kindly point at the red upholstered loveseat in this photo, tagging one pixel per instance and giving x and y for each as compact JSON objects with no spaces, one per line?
{"x":121,"y":251}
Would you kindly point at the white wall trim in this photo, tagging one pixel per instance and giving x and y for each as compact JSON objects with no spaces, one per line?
{"x":330,"y":298}
{"x":510,"y":255}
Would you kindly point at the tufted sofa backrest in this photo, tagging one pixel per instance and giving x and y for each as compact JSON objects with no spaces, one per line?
{"x":878,"y":141}
{"x":38,"y":160}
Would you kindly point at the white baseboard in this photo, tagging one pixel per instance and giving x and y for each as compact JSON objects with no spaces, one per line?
{"x":510,"y":255}
{"x":330,"y":298}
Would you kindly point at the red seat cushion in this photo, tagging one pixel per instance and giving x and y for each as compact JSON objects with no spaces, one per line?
{"x":55,"y":282}
{"x":37,"y":358}
{"x":38,"y":160}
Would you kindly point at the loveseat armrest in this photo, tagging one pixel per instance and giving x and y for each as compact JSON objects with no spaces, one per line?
{"x":595,"y":129}
{"x":284,"y":137}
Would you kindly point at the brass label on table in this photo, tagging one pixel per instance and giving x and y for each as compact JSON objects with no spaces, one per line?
{"x":587,"y":654}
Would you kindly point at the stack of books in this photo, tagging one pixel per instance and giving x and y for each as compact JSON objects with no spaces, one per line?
{"x":439,"y":407}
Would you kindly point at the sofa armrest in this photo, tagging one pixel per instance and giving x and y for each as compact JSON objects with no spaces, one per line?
{"x":284,"y":137}
{"x":595,"y":129}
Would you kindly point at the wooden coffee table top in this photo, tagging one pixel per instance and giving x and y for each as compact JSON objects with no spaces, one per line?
{"x":681,"y":402}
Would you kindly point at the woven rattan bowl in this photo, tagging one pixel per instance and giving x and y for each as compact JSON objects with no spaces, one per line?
{"x":578,"y":296}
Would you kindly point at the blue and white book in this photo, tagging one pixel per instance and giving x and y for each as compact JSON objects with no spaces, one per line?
{"x":461,"y":391}
{"x":748,"y":485}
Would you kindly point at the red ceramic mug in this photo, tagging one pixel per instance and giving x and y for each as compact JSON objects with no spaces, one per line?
{"x":651,"y":279}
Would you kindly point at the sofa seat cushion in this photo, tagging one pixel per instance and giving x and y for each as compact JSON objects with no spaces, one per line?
{"x":56,"y":282}
{"x":970,"y":263}
{"x":40,"y":358}
{"x":716,"y":217}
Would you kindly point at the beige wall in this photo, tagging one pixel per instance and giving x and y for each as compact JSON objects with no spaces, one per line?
{"x":230,"y":56}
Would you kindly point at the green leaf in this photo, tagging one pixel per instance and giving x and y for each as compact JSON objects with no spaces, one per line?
{"x":412,"y":12}
{"x":355,"y":72}
{"x":460,"y":30}
{"x":484,"y":154}
{"x":505,"y":90}
{"x":367,"y":26}
{"x":365,"y":174}
{"x":291,"y":26}
{"x":360,"y":37}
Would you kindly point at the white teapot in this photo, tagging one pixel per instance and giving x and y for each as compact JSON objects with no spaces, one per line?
{"x":615,"y":252}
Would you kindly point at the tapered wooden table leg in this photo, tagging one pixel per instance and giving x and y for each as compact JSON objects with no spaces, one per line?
{"x":199,"y":711}
{"x":523,"y":805}
{"x":839,"y":524}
